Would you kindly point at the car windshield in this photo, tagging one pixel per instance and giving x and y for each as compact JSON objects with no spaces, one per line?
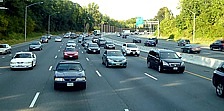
{"x":168,"y":55}
{"x":69,"y":66}
{"x":35,"y":43}
{"x":24,"y":55}
{"x":70,"y":49}
{"x":93,"y":45}
{"x":132,"y":45}
{"x":109,"y":42}
{"x":58,"y":37}
{"x":2,"y":46}
{"x":43,"y":38}
{"x":71,"y":41}
{"x":114,"y":53}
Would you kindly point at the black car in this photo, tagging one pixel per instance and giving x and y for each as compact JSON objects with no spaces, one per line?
{"x":95,"y":39}
{"x":69,"y":74}
{"x":218,"y":80}
{"x":150,"y":43}
{"x":35,"y":45}
{"x":73,"y":36}
{"x":165,"y":60}
{"x":136,"y":40}
{"x":109,"y":45}
{"x":101,"y":42}
{"x":44,"y":39}
{"x":155,"y":39}
{"x":93,"y":48}
{"x":183,"y":42}
{"x":191,"y":48}
{"x":114,"y":58}
{"x":218,"y":44}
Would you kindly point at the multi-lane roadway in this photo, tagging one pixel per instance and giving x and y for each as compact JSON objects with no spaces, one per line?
{"x":135,"y":88}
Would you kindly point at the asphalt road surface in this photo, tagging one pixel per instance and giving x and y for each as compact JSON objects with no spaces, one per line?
{"x":135,"y":88}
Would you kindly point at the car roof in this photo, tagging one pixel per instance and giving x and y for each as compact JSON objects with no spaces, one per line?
{"x":112,"y":50}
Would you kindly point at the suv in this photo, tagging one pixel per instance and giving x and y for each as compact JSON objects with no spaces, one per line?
{"x":69,"y":74}
{"x":165,"y":60}
{"x":130,"y":48}
{"x":218,"y":80}
{"x":5,"y":48}
{"x":101,"y":42}
{"x":218,"y":44}
{"x":183,"y":42}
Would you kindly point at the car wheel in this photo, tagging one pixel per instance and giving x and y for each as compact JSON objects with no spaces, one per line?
{"x":32,"y":66}
{"x":149,"y":65}
{"x":137,"y":55}
{"x":211,"y":48}
{"x":106,"y":64}
{"x":55,"y":87}
{"x":219,"y":90}
{"x":125,"y":53}
{"x":160,"y":70}
{"x":188,"y":51}
{"x":183,"y":50}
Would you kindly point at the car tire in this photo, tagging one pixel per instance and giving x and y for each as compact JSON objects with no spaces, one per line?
{"x":125,"y":66}
{"x":220,"y":90}
{"x":149,"y":65}
{"x":106,"y":64}
{"x":188,"y":51}
{"x":160,"y":69}
{"x":125,"y":53}
{"x":211,"y":48}
{"x":55,"y":87}
{"x":137,"y":55}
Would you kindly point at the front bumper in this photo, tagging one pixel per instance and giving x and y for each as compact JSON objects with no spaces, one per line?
{"x":112,"y":63}
{"x":20,"y":66}
{"x":93,"y":51}
{"x":133,"y":52}
{"x":72,"y":84}
{"x":71,"y":56}
{"x":174,"y":69}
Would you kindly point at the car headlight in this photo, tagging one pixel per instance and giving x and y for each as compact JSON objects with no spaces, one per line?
{"x":182,"y":64}
{"x":81,"y":79}
{"x":28,"y":62}
{"x":165,"y":63}
{"x":110,"y":60}
{"x":12,"y":62}
{"x":98,"y":49}
{"x":124,"y":60}
{"x":89,"y":49}
{"x":65,"y":54}
{"x":59,"y":79}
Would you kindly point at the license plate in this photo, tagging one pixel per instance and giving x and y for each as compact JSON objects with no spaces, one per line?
{"x":94,"y":50}
{"x":117,"y":64}
{"x":70,"y":84}
{"x":70,"y":56}
{"x":175,"y":68}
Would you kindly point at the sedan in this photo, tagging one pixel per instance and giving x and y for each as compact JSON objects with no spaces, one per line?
{"x":23,"y":60}
{"x":35,"y":45}
{"x":70,"y":53}
{"x":218,"y":80}
{"x":5,"y":48}
{"x":69,"y":74}
{"x":44,"y":39}
{"x":93,"y":48}
{"x":58,"y":39}
{"x":114,"y":58}
{"x":150,"y":43}
{"x":218,"y":44}
{"x":191,"y":48}
{"x":137,"y":40}
{"x":109,"y":45}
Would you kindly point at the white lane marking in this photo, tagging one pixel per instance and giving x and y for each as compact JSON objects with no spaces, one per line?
{"x":60,"y":46}
{"x":50,"y":68}
{"x":3,"y":57}
{"x":98,"y":73}
{"x":151,"y":76}
{"x":56,"y":57}
{"x":82,"y":51}
{"x":126,"y":110}
{"x":87,"y":59}
{"x":58,"y":50}
{"x":34,"y":99}
{"x":79,"y":47}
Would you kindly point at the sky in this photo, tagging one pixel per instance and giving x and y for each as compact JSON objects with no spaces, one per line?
{"x":126,"y":9}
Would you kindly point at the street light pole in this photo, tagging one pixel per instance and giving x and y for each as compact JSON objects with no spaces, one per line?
{"x":26,"y":16}
{"x":49,"y":23}
{"x":194,"y":25}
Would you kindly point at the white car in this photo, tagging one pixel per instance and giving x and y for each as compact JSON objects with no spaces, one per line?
{"x":71,"y":43}
{"x":23,"y":60}
{"x":5,"y":48}
{"x":130,"y":49}
{"x":58,"y":39}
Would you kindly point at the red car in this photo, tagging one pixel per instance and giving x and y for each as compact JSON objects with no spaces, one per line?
{"x":71,"y":53}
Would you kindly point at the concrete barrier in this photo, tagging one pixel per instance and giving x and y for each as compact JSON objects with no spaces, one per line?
{"x":190,"y":58}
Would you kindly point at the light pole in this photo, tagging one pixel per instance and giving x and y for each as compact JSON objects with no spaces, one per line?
{"x":26,"y":16}
{"x":194,"y":24}
{"x":49,"y":22}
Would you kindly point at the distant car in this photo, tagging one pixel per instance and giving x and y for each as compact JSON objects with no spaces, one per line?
{"x":114,"y":58}
{"x":165,"y":60}
{"x":155,"y":39}
{"x":93,"y":48}
{"x":5,"y":49}
{"x":141,"y":33}
{"x":109,"y":45}
{"x":124,"y":36}
{"x":101,"y":42}
{"x":35,"y":45}
{"x":67,"y":35}
{"x":183,"y":42}
{"x":218,"y":80}
{"x":73,"y":36}
{"x":191,"y":48}
{"x":80,"y":39}
{"x":218,"y":44}
{"x":150,"y":43}
{"x":95,"y":39}
{"x":69,"y":74}
{"x":49,"y":36}
{"x":118,"y":35}
{"x":137,"y":40}
{"x":130,"y":49}
{"x":23,"y":60}
{"x":58,"y":39}
{"x":70,"y":53}
{"x":71,"y":43}
{"x":44,"y":39}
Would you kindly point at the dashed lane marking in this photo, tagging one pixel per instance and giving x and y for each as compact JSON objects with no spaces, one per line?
{"x":34,"y":100}
{"x":151,"y":76}
{"x":98,"y":73}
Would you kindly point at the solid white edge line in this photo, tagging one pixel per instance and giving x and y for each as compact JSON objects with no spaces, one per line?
{"x":98,"y":73}
{"x":34,"y":99}
{"x":126,"y":110}
{"x":151,"y":76}
{"x":87,"y":59}
{"x":56,"y":57}
{"x":50,"y":68}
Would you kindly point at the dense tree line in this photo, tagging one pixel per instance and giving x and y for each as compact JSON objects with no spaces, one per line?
{"x":64,"y":16}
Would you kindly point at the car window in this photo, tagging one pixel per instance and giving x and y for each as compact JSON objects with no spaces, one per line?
{"x":114,"y":53}
{"x":2,"y":46}
{"x":168,"y":55}
{"x":93,"y":45}
{"x":23,"y":56}
{"x":132,"y":45}
{"x":70,"y":49}
{"x":35,"y":43}
{"x":69,"y":66}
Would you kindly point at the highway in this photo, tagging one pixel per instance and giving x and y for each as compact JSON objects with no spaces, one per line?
{"x":135,"y":88}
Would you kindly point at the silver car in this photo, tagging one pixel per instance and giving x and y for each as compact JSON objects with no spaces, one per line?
{"x":35,"y":45}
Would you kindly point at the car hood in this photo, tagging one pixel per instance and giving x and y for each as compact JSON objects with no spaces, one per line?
{"x":69,"y":73}
{"x":116,"y":57}
{"x":172,"y":60}
{"x":22,"y":60}
{"x":2,"y":49}
{"x":35,"y":45}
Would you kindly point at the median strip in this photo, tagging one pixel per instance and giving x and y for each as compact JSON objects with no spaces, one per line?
{"x":34,"y":100}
